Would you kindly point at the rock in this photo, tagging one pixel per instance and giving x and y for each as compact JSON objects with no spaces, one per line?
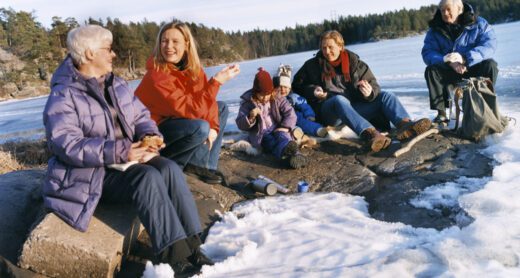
{"x":10,"y":61}
{"x":9,"y":89}
{"x":20,"y":205}
{"x":387,"y":184}
{"x":26,"y":92}
{"x":55,"y":249}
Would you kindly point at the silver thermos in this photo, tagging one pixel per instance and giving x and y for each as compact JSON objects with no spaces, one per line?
{"x":280,"y":188}
{"x":263,"y":186}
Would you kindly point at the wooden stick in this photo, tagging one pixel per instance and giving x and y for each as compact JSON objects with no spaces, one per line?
{"x":412,"y":142}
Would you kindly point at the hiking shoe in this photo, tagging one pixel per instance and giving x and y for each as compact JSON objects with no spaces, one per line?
{"x":199,"y":259}
{"x":375,"y":140}
{"x":441,"y":120}
{"x":184,"y":269}
{"x":202,"y":174}
{"x":291,"y":149}
{"x":409,"y":128}
{"x":297,"y":134}
{"x":297,"y":161}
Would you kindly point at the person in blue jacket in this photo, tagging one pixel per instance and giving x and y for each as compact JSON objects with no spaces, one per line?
{"x":306,"y":118}
{"x":458,"y":45}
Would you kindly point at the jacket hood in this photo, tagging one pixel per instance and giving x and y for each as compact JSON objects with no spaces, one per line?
{"x":67,"y":75}
{"x":467,"y":17}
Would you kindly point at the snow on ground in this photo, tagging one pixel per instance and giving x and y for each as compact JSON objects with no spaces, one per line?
{"x":332,"y":234}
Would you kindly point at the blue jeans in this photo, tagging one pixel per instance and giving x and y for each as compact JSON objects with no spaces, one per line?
{"x":185,"y":140}
{"x":339,"y":110}
{"x":275,"y":142}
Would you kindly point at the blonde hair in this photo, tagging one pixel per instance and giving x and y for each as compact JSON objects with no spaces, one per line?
{"x":83,"y":38}
{"x":193,"y":65}
{"x":456,"y":3}
{"x":333,"y":35}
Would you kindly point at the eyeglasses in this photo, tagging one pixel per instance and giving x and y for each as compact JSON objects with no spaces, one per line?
{"x":108,"y":49}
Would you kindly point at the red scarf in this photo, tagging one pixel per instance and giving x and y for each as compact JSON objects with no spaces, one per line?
{"x":328,"y":67}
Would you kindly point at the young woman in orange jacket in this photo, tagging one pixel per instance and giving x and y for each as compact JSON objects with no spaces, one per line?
{"x":183,"y":102}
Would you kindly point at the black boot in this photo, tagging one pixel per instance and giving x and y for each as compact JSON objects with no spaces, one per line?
{"x":197,"y":258}
{"x":441,"y":119}
{"x":290,"y":150}
{"x":202,"y":174}
{"x":176,"y":255}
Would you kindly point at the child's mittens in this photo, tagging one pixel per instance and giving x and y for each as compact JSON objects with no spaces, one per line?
{"x":253,"y":113}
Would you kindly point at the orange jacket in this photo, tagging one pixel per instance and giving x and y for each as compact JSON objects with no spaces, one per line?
{"x":172,"y":93}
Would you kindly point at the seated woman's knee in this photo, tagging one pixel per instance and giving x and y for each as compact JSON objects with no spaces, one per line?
{"x":340,"y":99}
{"x":223,"y":108}
{"x":167,"y":165}
{"x":201,"y":128}
{"x":147,"y":173}
{"x":387,"y":95}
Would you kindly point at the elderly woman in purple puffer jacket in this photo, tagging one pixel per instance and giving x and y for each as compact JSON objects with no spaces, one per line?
{"x":93,"y":125}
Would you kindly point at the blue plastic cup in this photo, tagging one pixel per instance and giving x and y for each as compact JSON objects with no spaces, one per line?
{"x":303,"y":186}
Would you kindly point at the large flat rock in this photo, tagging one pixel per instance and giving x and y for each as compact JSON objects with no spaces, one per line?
{"x":54,"y":249}
{"x":20,"y":204}
{"x":57,"y":250}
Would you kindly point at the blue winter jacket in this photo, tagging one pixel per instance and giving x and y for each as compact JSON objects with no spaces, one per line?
{"x":300,"y":105}
{"x":80,"y":133}
{"x":476,"y":43}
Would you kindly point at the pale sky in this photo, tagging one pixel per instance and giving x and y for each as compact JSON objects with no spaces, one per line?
{"x":229,"y":15}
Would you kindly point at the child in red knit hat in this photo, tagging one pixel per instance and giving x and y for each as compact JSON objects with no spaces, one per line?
{"x":269,"y":119}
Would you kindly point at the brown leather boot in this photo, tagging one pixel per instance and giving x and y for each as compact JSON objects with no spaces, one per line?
{"x":375,"y":140}
{"x":408,"y":128}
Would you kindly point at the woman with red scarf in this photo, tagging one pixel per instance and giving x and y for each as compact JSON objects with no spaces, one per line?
{"x":342,"y":90}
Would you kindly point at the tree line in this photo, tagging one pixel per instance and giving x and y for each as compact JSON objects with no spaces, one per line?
{"x":42,"y":49}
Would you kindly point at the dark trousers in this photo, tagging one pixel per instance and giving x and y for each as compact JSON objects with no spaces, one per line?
{"x":439,"y":76}
{"x":185,"y":140}
{"x":159,"y":193}
{"x":275,"y":142}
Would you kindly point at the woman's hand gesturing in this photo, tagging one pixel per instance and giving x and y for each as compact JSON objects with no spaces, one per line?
{"x":227,"y":73}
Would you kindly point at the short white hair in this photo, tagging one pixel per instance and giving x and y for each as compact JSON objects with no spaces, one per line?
{"x":86,"y":37}
{"x":456,"y":3}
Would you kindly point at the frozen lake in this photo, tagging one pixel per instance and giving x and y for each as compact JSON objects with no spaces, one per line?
{"x":397,"y":64}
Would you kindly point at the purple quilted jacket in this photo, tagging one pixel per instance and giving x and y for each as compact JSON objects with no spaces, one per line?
{"x":282,"y":111}
{"x":80,"y":133}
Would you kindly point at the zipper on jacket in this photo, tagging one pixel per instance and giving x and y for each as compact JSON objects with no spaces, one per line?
{"x":122,"y":120}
